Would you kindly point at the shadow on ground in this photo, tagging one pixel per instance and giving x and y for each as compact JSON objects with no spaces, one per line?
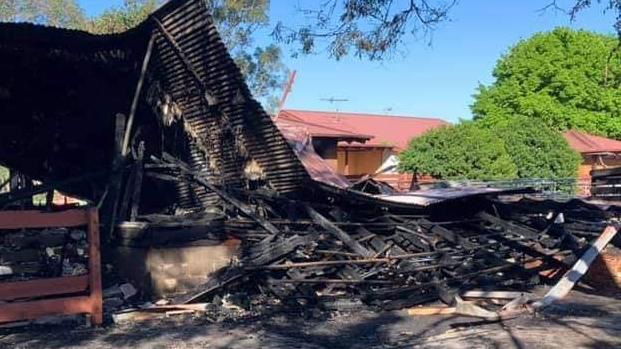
{"x":580,"y":321}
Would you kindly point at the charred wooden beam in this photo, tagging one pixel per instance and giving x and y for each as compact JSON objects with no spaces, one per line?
{"x":324,"y":263}
{"x":446,"y":234}
{"x":529,"y":233}
{"x":273,"y":250}
{"x":134,"y":106}
{"x":116,"y":178}
{"x":337,"y":232}
{"x":243,"y":208}
{"x":137,"y":188}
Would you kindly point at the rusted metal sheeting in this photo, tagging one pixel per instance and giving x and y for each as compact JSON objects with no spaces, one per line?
{"x":229,"y":128}
{"x":61,"y":90}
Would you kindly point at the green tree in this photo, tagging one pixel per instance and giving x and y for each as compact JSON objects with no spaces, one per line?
{"x":536,"y":150}
{"x":370,"y":29}
{"x":237,"y":22}
{"x":579,"y":5}
{"x":564,"y":78}
{"x":516,"y":148}
{"x":57,"y":13}
{"x":120,"y":19}
{"x":464,"y":151}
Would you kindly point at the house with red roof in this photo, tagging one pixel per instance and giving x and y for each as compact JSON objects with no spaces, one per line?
{"x":358,"y":144}
{"x":597,"y":152}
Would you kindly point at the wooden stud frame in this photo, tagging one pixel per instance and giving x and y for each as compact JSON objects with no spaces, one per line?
{"x":60,"y":292}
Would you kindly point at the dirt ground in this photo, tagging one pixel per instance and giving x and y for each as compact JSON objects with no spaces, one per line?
{"x":579,"y":321}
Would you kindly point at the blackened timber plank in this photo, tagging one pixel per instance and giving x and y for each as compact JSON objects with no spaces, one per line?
{"x":337,"y":232}
{"x":137,"y":190}
{"x":214,"y":283}
{"x":117,"y":176}
{"x":198,"y":178}
{"x":422,"y":242}
{"x":446,"y":234}
{"x":515,"y":228}
{"x":277,"y":250}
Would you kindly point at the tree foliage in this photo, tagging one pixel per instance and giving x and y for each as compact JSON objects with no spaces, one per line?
{"x":464,"y":151}
{"x":579,"y":5}
{"x":564,"y":78}
{"x":371,"y":29}
{"x":120,"y":19}
{"x":376,"y":29}
{"x":537,"y":151}
{"x":57,"y":13}
{"x":519,"y":148}
{"x":262,"y":66}
{"x":264,"y":71}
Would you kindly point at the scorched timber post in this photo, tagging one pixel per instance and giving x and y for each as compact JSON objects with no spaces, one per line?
{"x":134,"y":107}
{"x":123,"y":136}
{"x":117,"y":175}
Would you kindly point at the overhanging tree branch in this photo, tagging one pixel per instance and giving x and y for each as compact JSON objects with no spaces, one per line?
{"x":371,"y":29}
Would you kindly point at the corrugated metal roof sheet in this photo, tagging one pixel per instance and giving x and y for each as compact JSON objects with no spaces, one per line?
{"x":315,"y":165}
{"x":80,"y":81}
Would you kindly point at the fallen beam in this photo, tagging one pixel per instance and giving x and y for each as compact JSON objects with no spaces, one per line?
{"x":419,"y":311}
{"x":493,"y":294}
{"x":198,"y":178}
{"x":572,"y":276}
{"x":337,"y":232}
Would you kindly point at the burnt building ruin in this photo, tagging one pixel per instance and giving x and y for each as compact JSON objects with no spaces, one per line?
{"x":157,"y":127}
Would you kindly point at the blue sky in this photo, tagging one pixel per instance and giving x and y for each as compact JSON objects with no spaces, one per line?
{"x":428,"y":80}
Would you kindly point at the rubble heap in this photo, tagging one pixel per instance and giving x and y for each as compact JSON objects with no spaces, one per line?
{"x":309,"y":238}
{"x":319,"y":251}
{"x":31,"y":254}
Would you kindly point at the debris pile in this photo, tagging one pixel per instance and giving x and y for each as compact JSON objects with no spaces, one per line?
{"x":336,"y":257}
{"x":118,"y":296}
{"x":309,"y":238}
{"x":31,"y":254}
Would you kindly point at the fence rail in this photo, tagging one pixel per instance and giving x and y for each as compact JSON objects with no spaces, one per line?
{"x":553,"y":188}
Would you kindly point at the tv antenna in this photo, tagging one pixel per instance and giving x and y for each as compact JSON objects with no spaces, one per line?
{"x":334,"y":100}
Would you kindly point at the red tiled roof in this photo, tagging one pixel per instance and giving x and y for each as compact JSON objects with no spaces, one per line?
{"x":384,"y":129}
{"x":585,"y":143}
{"x":358,"y":145}
{"x":325,"y":127}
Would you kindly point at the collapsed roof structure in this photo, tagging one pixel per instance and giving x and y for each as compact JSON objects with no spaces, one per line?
{"x":89,"y":115}
{"x":62,"y":89}
{"x":178,"y":92}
